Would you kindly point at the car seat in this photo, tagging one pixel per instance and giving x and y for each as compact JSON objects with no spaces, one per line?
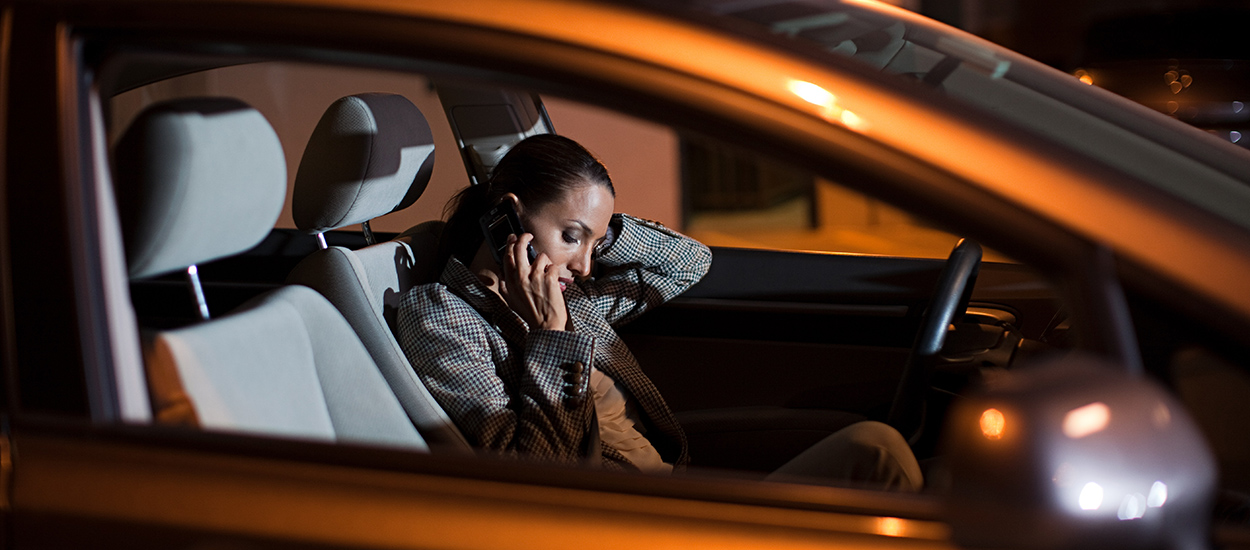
{"x":370,"y":155}
{"x":201,"y":179}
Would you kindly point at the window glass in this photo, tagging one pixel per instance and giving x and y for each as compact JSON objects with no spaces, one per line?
{"x":720,"y":195}
{"x":738,"y":199}
{"x":293,"y":96}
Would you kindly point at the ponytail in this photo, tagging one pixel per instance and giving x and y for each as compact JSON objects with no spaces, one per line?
{"x":462,"y":236}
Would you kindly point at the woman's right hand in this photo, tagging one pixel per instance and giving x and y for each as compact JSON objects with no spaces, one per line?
{"x":532,"y":290}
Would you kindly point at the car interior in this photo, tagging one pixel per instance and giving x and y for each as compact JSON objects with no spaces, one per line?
{"x":771,"y":352}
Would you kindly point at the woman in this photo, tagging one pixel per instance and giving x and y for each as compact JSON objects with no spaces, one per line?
{"x":522,"y":354}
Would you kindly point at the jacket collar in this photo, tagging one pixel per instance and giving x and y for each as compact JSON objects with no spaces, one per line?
{"x":468,"y":287}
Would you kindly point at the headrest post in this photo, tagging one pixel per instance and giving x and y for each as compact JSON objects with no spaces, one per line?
{"x":368,"y":231}
{"x":197,"y":291}
{"x":321,"y":241}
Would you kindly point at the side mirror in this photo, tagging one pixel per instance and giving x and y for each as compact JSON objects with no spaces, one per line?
{"x":1077,"y":453}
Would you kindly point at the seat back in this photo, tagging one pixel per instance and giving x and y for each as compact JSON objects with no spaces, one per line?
{"x":205,"y":178}
{"x":372,"y":154}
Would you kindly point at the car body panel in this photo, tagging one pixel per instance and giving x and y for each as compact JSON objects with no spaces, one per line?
{"x":204,"y":497}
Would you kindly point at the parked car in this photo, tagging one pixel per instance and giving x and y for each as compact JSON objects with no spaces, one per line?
{"x":142,"y":232}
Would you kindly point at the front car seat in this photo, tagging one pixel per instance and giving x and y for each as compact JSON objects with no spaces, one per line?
{"x":370,"y":155}
{"x":201,"y":179}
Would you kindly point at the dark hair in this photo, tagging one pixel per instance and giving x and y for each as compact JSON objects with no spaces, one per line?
{"x":539,"y":170}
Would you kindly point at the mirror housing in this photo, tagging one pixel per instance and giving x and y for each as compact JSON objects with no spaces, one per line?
{"x":1075,"y":452}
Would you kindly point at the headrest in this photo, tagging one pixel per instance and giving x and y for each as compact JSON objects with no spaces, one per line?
{"x":197,"y":179}
{"x":370,"y":155}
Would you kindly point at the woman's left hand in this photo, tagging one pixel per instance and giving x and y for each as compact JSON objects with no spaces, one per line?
{"x":532,"y":290}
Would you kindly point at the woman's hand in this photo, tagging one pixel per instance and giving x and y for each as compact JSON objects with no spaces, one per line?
{"x":532,"y":290}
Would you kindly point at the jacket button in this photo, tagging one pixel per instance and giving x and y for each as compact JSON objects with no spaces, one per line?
{"x":572,"y":391}
{"x":578,"y":367}
{"x":574,"y":378}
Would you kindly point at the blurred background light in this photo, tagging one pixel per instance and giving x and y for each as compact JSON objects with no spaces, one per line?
{"x":1091,"y":497}
{"x":992,"y":424}
{"x":1158,"y":495}
{"x":1083,"y":421}
{"x":1133,"y":506}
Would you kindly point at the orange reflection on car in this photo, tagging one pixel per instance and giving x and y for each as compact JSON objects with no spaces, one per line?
{"x":993,"y":423}
{"x":1083,"y":421}
{"x":891,"y":527}
{"x":830,"y":109}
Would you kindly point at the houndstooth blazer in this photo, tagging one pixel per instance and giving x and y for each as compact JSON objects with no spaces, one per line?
{"x":526,"y":393}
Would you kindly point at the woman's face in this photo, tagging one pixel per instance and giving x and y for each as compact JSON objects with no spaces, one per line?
{"x":568,"y":230}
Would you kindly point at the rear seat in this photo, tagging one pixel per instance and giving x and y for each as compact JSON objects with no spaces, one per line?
{"x":370,"y":155}
{"x":201,"y":179}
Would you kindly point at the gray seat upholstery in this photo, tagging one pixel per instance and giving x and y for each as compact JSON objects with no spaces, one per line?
{"x":372,"y":154}
{"x":205,"y":178}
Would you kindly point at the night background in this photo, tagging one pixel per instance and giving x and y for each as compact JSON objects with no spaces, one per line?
{"x":1186,"y":58}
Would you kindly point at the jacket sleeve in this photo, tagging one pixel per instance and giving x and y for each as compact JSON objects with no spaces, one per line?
{"x":645,"y":265}
{"x":547,"y":414}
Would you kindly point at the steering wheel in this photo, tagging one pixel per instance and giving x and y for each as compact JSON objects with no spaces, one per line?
{"x":950,"y":299}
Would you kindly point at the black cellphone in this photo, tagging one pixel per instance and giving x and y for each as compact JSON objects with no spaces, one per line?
{"x":497,"y":224}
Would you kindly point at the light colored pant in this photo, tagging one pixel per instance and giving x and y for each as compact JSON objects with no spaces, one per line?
{"x":867,"y":454}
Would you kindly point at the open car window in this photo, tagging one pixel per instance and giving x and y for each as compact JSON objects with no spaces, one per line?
{"x":839,"y":326}
{"x":721,"y":196}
